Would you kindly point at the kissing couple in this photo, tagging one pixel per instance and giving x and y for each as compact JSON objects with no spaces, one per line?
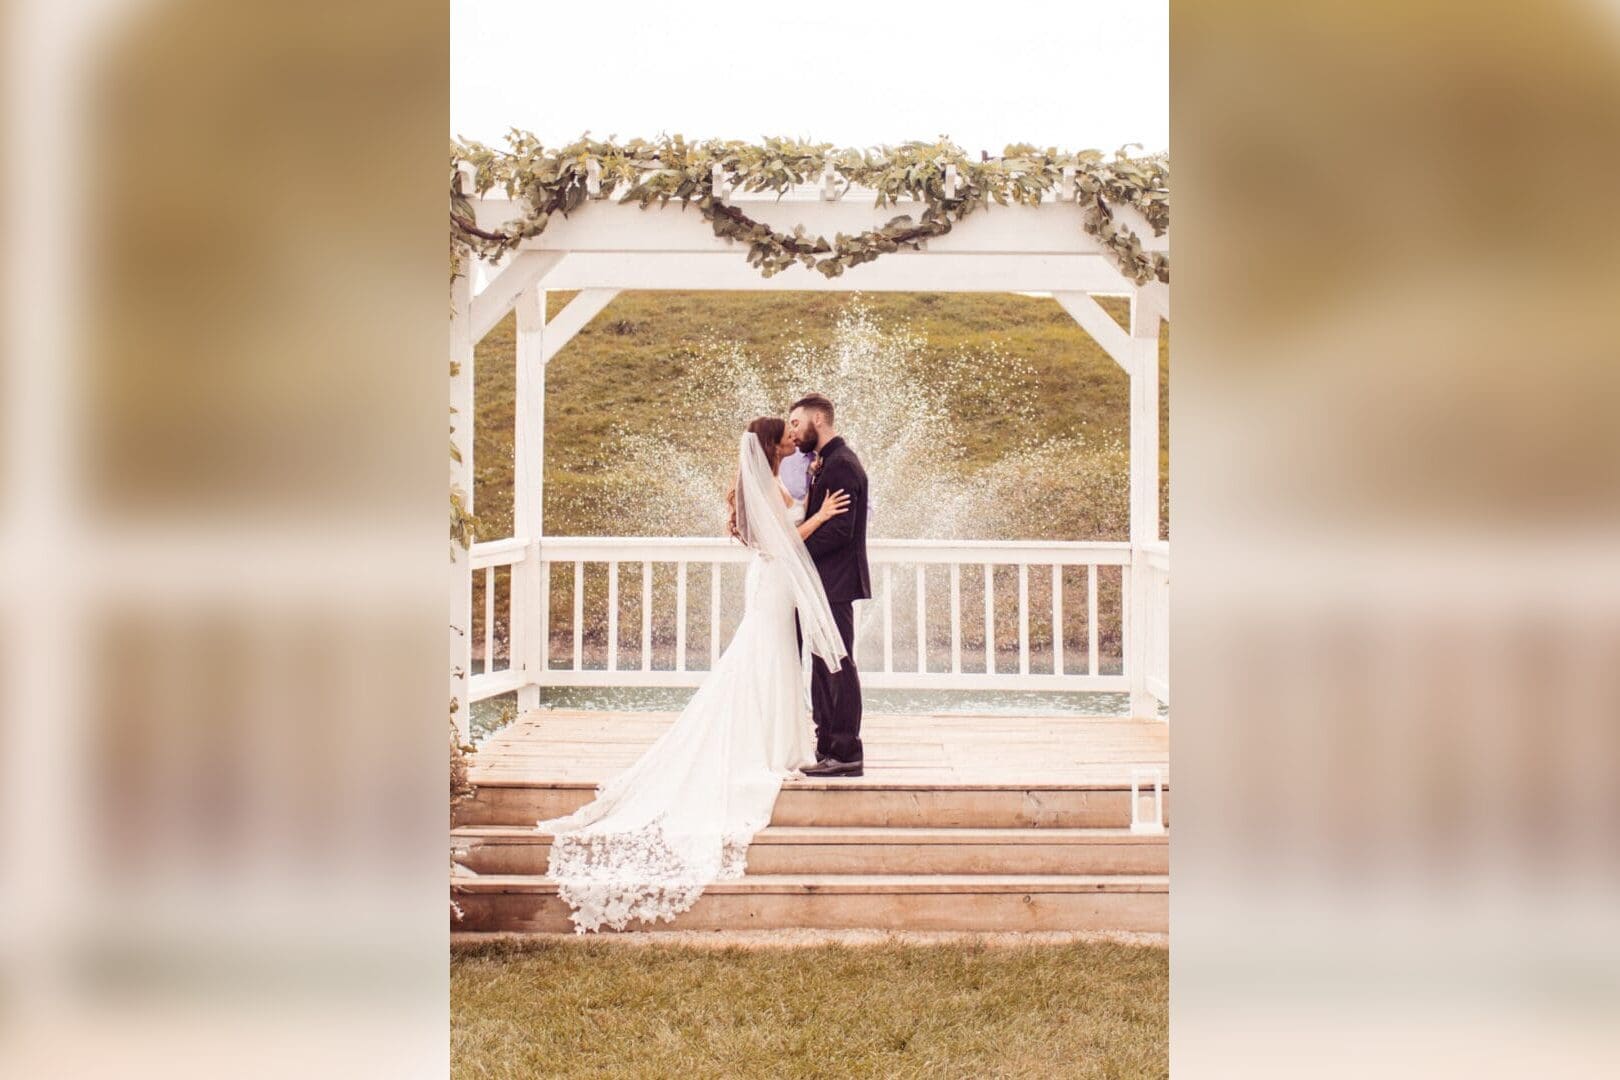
{"x":684,"y":814}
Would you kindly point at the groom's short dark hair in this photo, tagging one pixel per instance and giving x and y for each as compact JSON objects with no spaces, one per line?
{"x":816,"y":402}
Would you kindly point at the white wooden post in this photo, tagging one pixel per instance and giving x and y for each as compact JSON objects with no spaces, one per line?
{"x":1138,"y":354}
{"x":529,"y":623}
{"x":1144,"y":368}
{"x":461,"y":478}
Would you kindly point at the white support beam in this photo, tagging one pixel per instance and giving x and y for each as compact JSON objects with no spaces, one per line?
{"x":605,"y":225}
{"x":461,"y":478}
{"x":1144,"y":482}
{"x":528,"y":494}
{"x":574,"y":318}
{"x":1154,"y":298}
{"x":906,"y":271}
{"x":496,"y":298}
{"x":1144,"y":343}
{"x":1100,"y":325}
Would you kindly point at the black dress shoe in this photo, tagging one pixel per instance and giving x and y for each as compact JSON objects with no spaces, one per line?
{"x":830,"y":766}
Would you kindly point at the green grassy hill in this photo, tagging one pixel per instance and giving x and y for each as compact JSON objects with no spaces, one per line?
{"x":637,"y":356}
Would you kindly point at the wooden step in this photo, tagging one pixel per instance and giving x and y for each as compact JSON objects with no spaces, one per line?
{"x":852,"y":803}
{"x":529,"y":903}
{"x":792,"y":849}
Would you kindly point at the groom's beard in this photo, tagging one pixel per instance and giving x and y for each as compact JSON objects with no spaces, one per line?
{"x":809,"y":441}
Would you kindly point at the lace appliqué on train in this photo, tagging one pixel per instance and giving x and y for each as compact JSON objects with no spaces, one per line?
{"x":642,"y":875}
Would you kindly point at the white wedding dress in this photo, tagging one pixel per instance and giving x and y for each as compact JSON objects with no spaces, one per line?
{"x":684,"y":814}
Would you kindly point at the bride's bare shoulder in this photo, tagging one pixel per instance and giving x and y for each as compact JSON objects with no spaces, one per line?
{"x":787,"y":496}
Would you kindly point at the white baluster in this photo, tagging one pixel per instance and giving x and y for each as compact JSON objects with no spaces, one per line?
{"x":714,"y":615}
{"x":1140,"y":825}
{"x":956,"y":619}
{"x":545,"y":618}
{"x":646,"y":616}
{"x":680,"y":615}
{"x":888,"y":620}
{"x":489,"y":619}
{"x":922,"y":619}
{"x":613,"y":616}
{"x":989,"y":619}
{"x":1125,"y":657}
{"x":1091,"y":617}
{"x":579,"y":615}
{"x":1023,"y":618}
{"x":1057,"y":618}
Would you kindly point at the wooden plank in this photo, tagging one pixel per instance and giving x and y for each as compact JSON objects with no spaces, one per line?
{"x":1004,"y":753}
{"x":1025,"y":906}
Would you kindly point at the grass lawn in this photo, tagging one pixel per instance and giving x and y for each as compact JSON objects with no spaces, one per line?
{"x":603,"y":1009}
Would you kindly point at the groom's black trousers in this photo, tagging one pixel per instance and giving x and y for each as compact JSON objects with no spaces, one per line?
{"x":835,"y":696}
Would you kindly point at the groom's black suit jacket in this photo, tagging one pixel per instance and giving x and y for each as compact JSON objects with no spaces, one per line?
{"x":839,"y":546}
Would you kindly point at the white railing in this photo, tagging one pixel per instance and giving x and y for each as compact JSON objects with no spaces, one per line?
{"x":488,"y":558}
{"x":1156,"y":646}
{"x":1026,"y":615}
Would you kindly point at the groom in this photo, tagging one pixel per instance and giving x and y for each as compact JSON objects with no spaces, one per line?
{"x":839,"y":551}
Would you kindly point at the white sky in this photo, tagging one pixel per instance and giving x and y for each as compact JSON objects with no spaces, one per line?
{"x":1069,"y":73}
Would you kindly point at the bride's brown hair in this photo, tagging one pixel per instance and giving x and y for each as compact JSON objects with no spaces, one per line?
{"x":769,"y":431}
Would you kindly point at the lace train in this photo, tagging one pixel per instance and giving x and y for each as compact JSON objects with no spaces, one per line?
{"x":641,"y":875}
{"x":684,"y":814}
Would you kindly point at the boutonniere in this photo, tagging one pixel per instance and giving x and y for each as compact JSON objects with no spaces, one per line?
{"x":815,"y":466}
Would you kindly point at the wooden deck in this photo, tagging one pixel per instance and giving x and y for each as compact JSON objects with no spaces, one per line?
{"x":932,"y":751}
{"x":988,"y":823}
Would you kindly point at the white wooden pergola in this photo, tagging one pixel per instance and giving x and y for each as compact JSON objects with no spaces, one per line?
{"x":605,"y":247}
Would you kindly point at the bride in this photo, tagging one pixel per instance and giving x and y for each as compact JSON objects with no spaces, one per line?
{"x":684,"y":813}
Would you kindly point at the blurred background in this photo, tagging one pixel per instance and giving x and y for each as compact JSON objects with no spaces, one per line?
{"x":224,"y":533}
{"x":1397,"y":617}
{"x":1397,"y":486}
